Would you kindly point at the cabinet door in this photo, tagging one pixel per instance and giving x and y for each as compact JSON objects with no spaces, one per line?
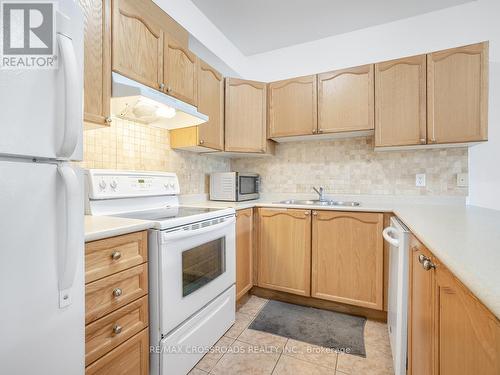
{"x":346,"y":100}
{"x":245,"y":116}
{"x":284,"y":251}
{"x":211,"y":103}
{"x":400,"y":102}
{"x":347,"y":258}
{"x":420,"y":317}
{"x":244,"y":253}
{"x":97,"y":60}
{"x":293,"y":107}
{"x":180,"y":71}
{"x":468,"y":335}
{"x":457,"y":94}
{"x":137,"y":44}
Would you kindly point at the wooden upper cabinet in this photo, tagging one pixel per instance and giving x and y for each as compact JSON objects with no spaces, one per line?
{"x":461,"y":321}
{"x":457,"y":94}
{"x":97,"y":61}
{"x":245,"y":119}
{"x":293,"y":107}
{"x":284,"y":250}
{"x":137,"y":44}
{"x":400,"y":102}
{"x":180,"y":71}
{"x":244,"y":251}
{"x":347,"y":258}
{"x":211,"y":103}
{"x":346,"y":100}
{"x":420,"y":318}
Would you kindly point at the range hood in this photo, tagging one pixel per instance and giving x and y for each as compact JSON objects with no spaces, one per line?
{"x":134,"y":101}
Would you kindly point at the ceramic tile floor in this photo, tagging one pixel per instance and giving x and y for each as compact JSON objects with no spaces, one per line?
{"x":249,"y":352}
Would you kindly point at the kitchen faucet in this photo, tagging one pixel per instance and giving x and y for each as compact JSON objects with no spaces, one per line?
{"x":320,"y":192}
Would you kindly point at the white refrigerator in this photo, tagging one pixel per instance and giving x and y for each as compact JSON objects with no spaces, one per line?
{"x":41,"y":210}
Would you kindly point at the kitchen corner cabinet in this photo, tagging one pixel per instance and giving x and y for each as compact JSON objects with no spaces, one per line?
{"x":347,"y":258}
{"x":244,"y":251}
{"x":346,"y":100}
{"x":400,"y":102}
{"x":138,"y":44}
{"x":180,"y":71}
{"x":97,"y":61}
{"x":245,"y":116}
{"x":450,"y":331}
{"x":208,"y":136}
{"x":457,"y":94}
{"x":293,"y":107}
{"x":284,"y":250}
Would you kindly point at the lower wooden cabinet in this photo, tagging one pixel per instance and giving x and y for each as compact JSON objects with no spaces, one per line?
{"x":450,"y":331}
{"x":284,"y":250}
{"x":244,"y":251}
{"x":130,"y":358}
{"x":347,"y":257}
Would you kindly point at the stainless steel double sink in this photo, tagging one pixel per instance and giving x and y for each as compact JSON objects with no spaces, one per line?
{"x":320,"y":203}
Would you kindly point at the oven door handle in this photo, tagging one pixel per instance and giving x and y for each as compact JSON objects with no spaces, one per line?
{"x":180,"y":234}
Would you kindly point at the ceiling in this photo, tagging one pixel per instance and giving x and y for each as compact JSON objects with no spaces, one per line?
{"x":256,"y":26}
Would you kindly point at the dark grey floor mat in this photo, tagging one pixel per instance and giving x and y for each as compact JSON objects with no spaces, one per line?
{"x":314,"y":326}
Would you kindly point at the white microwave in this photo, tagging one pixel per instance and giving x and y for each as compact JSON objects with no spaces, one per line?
{"x":234,"y":186}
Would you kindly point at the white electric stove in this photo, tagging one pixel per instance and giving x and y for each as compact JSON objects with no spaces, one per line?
{"x":191,"y":263}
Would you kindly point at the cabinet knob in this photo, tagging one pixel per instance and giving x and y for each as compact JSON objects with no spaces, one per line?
{"x":428,"y":265}
{"x":422,"y":141}
{"x":320,"y":130}
{"x":117,"y":292}
{"x":314,"y":131}
{"x":115,"y":255}
{"x":422,"y":258}
{"x":108,"y":120}
{"x":433,"y":140}
{"x":306,"y":213}
{"x":169,"y":89}
{"x":315,"y":213}
{"x":162,"y":86}
{"x":117,"y":329}
{"x":201,"y":141}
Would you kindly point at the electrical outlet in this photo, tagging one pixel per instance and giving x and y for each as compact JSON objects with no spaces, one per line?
{"x":420,"y":179}
{"x":462,"y":180}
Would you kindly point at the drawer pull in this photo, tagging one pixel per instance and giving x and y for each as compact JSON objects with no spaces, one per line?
{"x":117,"y":292}
{"x":117,"y":329}
{"x":115,"y":255}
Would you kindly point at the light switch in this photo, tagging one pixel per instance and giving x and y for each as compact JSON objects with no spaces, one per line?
{"x":462,"y":180}
{"x":420,"y":179}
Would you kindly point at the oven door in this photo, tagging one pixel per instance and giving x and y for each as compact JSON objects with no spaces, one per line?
{"x":197,"y":265}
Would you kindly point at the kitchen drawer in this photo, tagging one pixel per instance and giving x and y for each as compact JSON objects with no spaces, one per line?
{"x":115,"y":291}
{"x":130,"y":358}
{"x":110,"y":331}
{"x":115,"y":254}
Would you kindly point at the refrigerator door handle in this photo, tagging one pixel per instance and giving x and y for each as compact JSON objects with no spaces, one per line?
{"x":69,"y":243}
{"x":72,"y":120}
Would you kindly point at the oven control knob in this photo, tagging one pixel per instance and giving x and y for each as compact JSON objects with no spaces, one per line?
{"x":113,"y":184}
{"x":172,"y":186}
{"x":102,"y":184}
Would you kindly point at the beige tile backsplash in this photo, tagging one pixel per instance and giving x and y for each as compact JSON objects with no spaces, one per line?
{"x":134,"y":146}
{"x":346,"y":166}
{"x":351,"y":166}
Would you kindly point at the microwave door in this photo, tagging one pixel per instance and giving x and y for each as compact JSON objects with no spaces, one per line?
{"x":248,"y":187}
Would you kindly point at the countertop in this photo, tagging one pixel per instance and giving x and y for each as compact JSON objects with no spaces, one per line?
{"x":98,"y":227}
{"x":466,"y":239}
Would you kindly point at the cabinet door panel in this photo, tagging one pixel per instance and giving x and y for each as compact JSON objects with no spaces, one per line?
{"x":400,"y":102}
{"x":97,"y":60}
{"x":347,"y":258}
{"x":468,"y":335}
{"x":285,"y":250}
{"x":420,"y":327}
{"x":293,"y":107}
{"x":244,"y":251}
{"x":211,"y":103}
{"x":137,"y":44}
{"x":180,"y":71}
{"x":346,"y":100}
{"x":457,"y":94}
{"x":245,"y":129}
